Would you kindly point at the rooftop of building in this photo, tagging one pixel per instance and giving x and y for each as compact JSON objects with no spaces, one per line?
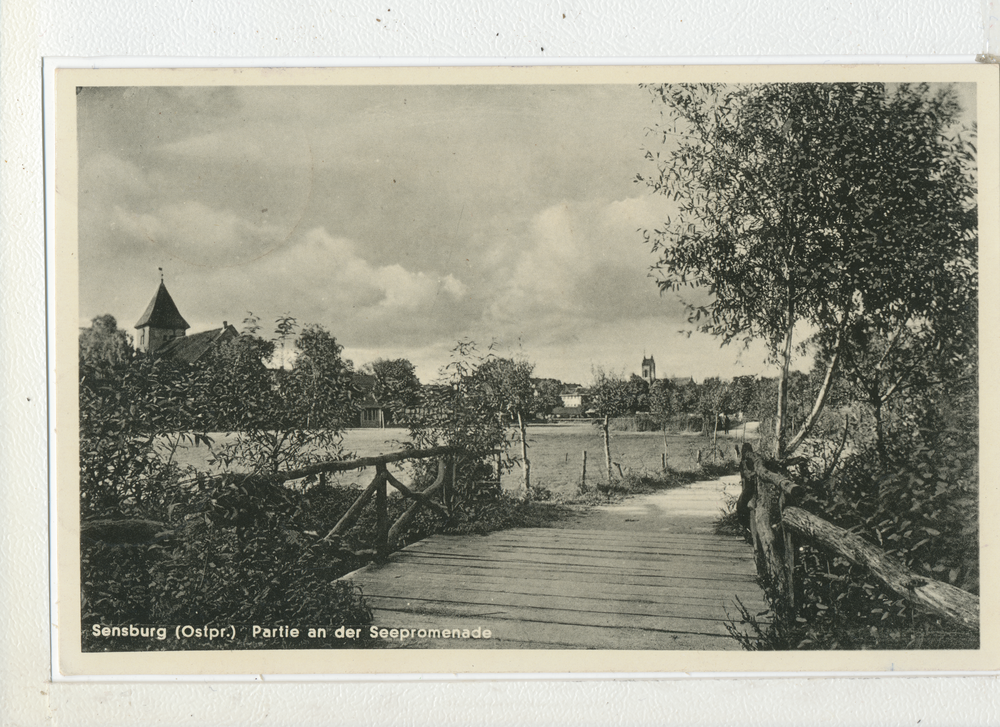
{"x":162,"y":312}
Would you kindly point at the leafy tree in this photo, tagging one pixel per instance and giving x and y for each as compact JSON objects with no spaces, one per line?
{"x":396,"y":384}
{"x":713,"y":400}
{"x":320,"y":381}
{"x":741,"y":391}
{"x":796,"y":204}
{"x":639,"y":390}
{"x":280,"y":418}
{"x":284,"y":332}
{"x":105,"y":342}
{"x":761,"y":406}
{"x":663,"y":402}
{"x":663,"y":406}
{"x":456,"y":411}
{"x":882,"y":371}
{"x":547,"y":395}
{"x":610,"y":396}
{"x":237,"y":383}
{"x":135,"y":411}
{"x":509,"y":390}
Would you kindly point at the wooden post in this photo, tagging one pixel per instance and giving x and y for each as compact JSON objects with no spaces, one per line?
{"x":396,"y":531}
{"x":354,"y":512}
{"x":789,"y":548}
{"x":449,"y":490}
{"x":663,"y":461}
{"x":607,"y":445}
{"x":382,"y":513}
{"x":715,"y":438}
{"x":773,"y":543}
{"x":583,"y":474}
{"x":322,"y":479}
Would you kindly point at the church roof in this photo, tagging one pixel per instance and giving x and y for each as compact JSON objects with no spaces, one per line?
{"x":162,"y":312}
{"x":191,"y":348}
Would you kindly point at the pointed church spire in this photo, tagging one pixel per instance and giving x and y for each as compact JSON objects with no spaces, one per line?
{"x":162,"y":319}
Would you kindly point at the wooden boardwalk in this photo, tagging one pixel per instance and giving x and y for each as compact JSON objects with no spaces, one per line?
{"x":647,"y":573}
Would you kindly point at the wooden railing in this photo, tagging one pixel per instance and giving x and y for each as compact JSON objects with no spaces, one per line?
{"x":766,"y":506}
{"x":387,"y":537}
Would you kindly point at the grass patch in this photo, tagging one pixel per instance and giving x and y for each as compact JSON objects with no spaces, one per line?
{"x":633,"y":483}
{"x":728,"y":523}
{"x":510,"y":512}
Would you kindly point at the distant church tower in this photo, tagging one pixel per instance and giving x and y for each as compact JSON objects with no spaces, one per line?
{"x":649,"y":369}
{"x":160,"y":323}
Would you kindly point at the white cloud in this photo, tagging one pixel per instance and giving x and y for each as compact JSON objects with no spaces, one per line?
{"x":195,"y":234}
{"x":583,"y":262}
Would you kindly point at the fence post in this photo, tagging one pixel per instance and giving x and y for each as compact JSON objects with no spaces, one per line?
{"x":583,"y":474}
{"x":382,"y":513}
{"x":789,"y":548}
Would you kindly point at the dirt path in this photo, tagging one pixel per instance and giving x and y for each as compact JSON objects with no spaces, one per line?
{"x":692,"y":508}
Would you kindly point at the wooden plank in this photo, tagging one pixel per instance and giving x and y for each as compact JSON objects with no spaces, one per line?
{"x":665,"y":569}
{"x":590,"y":550}
{"x":508,"y":602}
{"x":586,"y":544}
{"x":688,"y":570}
{"x":594,"y":550}
{"x":599,"y":542}
{"x":667,"y":591}
{"x":509,"y":617}
{"x":663,"y":581}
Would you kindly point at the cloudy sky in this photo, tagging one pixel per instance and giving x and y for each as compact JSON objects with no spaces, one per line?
{"x":401,"y":218}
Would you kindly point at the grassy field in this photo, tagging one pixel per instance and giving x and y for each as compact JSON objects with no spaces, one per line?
{"x":555,"y":452}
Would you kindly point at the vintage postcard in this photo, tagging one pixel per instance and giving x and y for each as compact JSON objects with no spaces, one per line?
{"x":500,"y":370}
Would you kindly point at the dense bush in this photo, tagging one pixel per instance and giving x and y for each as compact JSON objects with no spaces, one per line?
{"x":917,"y":501}
{"x":232,"y":550}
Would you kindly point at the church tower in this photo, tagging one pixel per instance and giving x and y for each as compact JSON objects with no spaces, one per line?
{"x":160,"y":323}
{"x":649,"y":369}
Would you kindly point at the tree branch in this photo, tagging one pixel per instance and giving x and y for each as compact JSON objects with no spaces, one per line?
{"x":824,"y":390}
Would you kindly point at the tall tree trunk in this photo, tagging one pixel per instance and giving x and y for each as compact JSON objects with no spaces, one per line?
{"x":879,"y":428}
{"x":607,"y":447}
{"x":525,"y":464}
{"x":820,"y":397}
{"x":780,"y":423}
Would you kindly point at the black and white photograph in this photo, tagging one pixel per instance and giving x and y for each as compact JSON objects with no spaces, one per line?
{"x":392,"y":371}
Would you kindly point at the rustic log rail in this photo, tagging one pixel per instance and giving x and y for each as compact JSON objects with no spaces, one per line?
{"x":765,"y":508}
{"x":387,"y":536}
